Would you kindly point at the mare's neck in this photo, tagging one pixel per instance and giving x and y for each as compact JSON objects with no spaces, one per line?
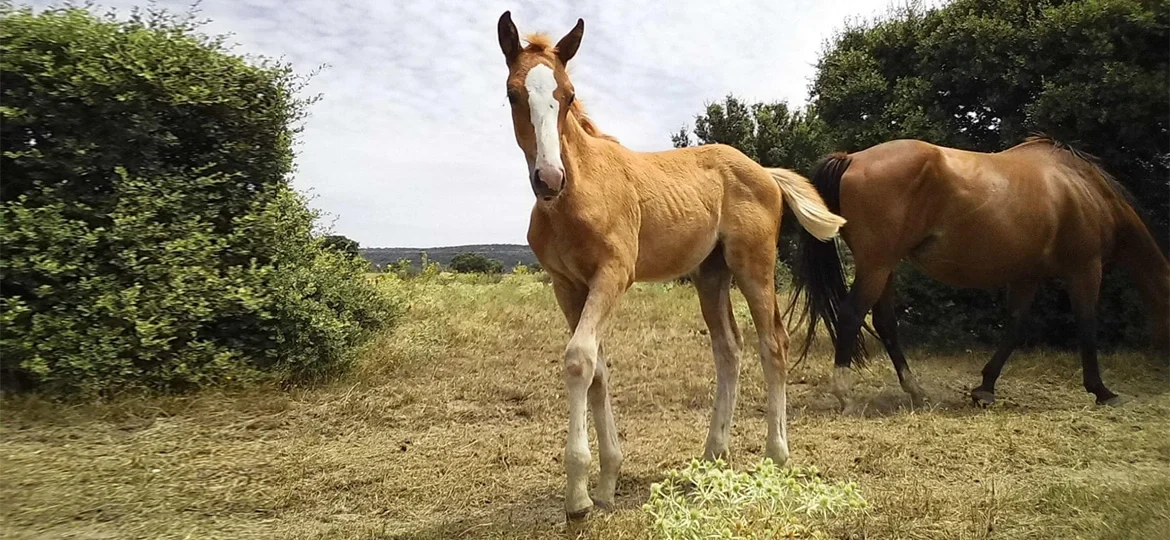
{"x":1140,"y":255}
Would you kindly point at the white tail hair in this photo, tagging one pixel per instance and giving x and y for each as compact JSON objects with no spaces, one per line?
{"x":807,"y":204}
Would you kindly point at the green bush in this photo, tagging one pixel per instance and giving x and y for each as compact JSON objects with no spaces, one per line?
{"x":343,"y":244}
{"x":474,"y":263}
{"x":150,"y":235}
{"x":943,"y":316}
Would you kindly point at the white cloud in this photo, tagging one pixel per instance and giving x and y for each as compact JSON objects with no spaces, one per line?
{"x":412,"y":144}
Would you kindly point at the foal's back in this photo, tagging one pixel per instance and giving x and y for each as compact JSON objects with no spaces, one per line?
{"x":691,"y":198}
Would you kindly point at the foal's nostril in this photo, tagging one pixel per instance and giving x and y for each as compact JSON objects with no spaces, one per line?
{"x":551,"y":178}
{"x":547,"y":183}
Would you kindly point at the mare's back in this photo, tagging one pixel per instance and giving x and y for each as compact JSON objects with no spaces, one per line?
{"x":1076,"y":194}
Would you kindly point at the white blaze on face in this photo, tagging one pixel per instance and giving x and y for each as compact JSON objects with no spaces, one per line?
{"x":545,"y":110}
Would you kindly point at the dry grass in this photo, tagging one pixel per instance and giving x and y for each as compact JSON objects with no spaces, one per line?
{"x":453,"y":427}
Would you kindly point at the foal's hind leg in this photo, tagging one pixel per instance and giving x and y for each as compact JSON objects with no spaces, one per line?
{"x":1083,"y":290}
{"x":713,"y":281}
{"x":885,"y":323}
{"x":1019,"y":299}
{"x":608,"y":446}
{"x":753,"y":265}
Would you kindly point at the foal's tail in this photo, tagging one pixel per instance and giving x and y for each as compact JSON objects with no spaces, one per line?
{"x":819,"y":277}
{"x":814,"y":216}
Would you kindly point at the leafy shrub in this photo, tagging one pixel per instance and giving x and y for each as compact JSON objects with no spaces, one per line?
{"x":944,"y":316}
{"x":403,"y":268}
{"x":474,"y":263}
{"x":707,"y":500}
{"x":150,"y":235}
{"x":429,"y":269}
{"x":343,"y":244}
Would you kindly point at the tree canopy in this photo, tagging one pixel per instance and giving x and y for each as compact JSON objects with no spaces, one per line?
{"x":983,"y":75}
{"x":474,"y":263}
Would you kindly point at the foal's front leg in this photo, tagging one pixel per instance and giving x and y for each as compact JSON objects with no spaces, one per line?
{"x":582,"y":358}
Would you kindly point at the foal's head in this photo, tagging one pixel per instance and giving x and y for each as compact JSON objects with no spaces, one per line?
{"x":541,"y":94}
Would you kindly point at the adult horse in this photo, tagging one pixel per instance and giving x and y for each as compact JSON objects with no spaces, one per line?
{"x":607,"y":216}
{"x":1015,"y":218}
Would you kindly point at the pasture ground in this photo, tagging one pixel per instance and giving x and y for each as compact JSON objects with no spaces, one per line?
{"x":453,"y":424}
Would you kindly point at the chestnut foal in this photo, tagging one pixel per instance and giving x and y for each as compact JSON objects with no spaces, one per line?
{"x":606,"y":217}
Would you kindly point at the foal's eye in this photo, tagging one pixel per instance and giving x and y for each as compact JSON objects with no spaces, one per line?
{"x":569,"y":101}
{"x":513,"y":98}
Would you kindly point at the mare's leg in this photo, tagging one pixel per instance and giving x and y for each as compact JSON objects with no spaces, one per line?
{"x":868,"y":284}
{"x":885,"y":323}
{"x":753,"y":264}
{"x":581,"y":361}
{"x":713,"y":281}
{"x":1083,"y":290}
{"x":1019,"y":299}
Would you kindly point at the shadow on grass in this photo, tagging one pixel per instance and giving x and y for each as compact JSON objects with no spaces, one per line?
{"x":1034,"y":380}
{"x":540,"y":514}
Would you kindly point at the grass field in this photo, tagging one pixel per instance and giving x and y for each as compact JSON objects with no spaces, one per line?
{"x":453,"y":426}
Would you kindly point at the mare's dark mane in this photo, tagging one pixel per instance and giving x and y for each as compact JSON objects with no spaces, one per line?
{"x":1094,"y":164}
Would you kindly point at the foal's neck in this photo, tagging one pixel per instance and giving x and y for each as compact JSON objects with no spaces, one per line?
{"x":578,"y":149}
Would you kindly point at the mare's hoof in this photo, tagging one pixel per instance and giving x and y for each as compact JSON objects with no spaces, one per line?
{"x":1114,"y":401}
{"x":852,"y":410}
{"x":602,"y":506}
{"x":982,"y":398}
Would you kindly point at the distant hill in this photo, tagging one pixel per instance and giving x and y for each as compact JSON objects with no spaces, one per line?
{"x":508,"y":254}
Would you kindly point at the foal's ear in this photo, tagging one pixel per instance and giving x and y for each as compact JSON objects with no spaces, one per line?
{"x":567,"y":46}
{"x":509,"y":38}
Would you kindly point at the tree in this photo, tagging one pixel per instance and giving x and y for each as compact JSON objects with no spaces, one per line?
{"x":342,"y":244}
{"x":151,"y":238}
{"x":474,"y":263}
{"x":773,"y":134}
{"x":982,"y":75}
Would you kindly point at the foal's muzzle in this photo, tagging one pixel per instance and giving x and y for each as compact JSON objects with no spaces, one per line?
{"x":547,"y":183}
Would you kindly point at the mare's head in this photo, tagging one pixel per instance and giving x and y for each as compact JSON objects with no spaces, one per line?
{"x":541,"y":95}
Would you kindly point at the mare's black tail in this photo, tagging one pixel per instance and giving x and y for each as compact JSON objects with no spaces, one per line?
{"x":819,"y":277}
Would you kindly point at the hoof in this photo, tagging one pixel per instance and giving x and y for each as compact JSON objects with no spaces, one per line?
{"x":1108,"y":401}
{"x":602,"y":506}
{"x":982,"y":398}
{"x":919,"y":401}
{"x":578,"y":515}
{"x":778,"y":458}
{"x":713,"y":455}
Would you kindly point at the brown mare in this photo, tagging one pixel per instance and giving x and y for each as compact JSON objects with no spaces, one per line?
{"x":607,"y":216}
{"x":1015,"y":218}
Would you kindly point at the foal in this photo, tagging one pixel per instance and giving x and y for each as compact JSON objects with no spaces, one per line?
{"x":606,"y":216}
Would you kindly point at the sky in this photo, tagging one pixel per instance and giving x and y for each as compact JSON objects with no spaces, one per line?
{"x":412,"y":144}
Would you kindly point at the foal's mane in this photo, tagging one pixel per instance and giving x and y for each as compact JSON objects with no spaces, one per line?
{"x":540,"y":43}
{"x":1082,"y":160}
